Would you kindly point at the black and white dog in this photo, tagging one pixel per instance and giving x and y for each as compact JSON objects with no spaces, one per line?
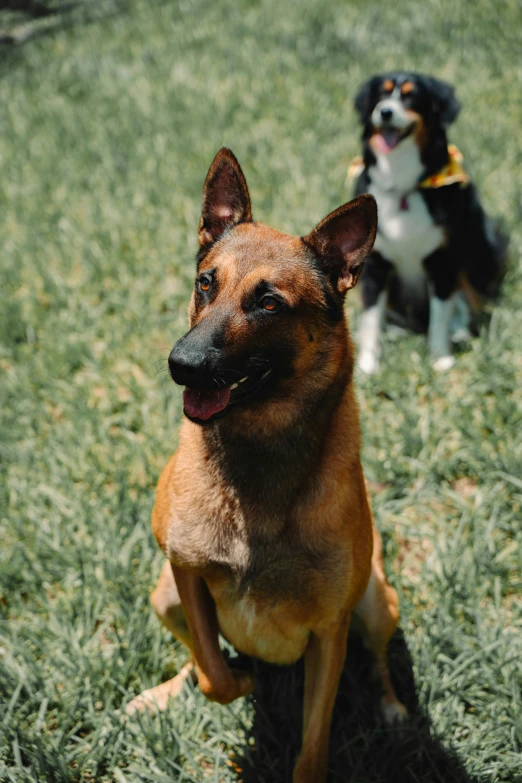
{"x":437,"y":255}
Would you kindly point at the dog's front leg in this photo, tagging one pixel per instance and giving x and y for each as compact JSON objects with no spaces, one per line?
{"x":215,"y":678}
{"x":374,"y":280}
{"x":441,"y":312}
{"x":442,"y":273}
{"x":324,"y":659}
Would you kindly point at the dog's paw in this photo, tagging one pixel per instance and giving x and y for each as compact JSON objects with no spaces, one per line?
{"x":145,"y":702}
{"x":156,"y":699}
{"x":443,"y":363}
{"x":368,"y":363}
{"x":394,"y":712}
{"x":461,"y":335}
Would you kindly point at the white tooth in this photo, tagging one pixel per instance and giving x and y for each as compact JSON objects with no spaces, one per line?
{"x":243,"y":379}
{"x":234,"y":385}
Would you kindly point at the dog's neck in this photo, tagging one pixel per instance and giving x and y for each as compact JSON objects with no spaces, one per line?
{"x":267,"y":471}
{"x":400,"y":170}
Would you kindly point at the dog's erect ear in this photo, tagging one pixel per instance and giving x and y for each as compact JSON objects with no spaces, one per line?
{"x":364,"y":100}
{"x":343,"y":240}
{"x":225,"y":198}
{"x":444,"y":103}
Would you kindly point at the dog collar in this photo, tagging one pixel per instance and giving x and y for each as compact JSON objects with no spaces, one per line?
{"x":450,"y":174}
{"x":453,"y":172}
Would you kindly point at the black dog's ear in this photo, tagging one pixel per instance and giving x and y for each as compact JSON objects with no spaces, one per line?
{"x":226,"y":201}
{"x":343,"y":240}
{"x":444,"y":103}
{"x":365,"y":98}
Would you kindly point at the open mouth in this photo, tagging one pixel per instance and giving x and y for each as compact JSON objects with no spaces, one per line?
{"x":203,"y":405}
{"x":386,"y":139}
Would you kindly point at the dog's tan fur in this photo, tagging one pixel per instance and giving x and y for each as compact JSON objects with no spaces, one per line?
{"x":263,"y":514}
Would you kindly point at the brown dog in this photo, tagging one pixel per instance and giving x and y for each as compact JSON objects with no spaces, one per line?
{"x":262,"y":512}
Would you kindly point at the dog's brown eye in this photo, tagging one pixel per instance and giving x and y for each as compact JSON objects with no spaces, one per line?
{"x":204,"y":283}
{"x":270,"y":303}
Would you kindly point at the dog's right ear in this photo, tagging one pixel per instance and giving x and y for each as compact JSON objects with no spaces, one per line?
{"x":343,"y":240}
{"x":226,"y":201}
{"x":444,"y":101}
{"x":364,"y":100}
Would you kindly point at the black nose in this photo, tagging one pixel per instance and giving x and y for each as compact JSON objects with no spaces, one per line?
{"x":187,"y":367}
{"x":386,"y":114}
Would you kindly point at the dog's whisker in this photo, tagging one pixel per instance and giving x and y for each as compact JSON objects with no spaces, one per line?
{"x":229,"y":369}
{"x":163,"y":371}
{"x":157,"y":363}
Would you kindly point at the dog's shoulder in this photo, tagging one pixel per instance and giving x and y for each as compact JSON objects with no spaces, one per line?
{"x":459,"y":210}
{"x":161,"y":512}
{"x":454,"y":206}
{"x":474,"y":239}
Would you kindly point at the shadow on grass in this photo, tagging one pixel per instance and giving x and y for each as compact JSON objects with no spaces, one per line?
{"x":22,"y":21}
{"x":362,"y":748}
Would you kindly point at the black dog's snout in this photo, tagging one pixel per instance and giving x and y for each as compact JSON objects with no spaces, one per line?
{"x":386,"y":114}
{"x":186,"y":366}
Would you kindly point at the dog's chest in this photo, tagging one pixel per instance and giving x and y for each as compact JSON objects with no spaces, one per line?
{"x":265,"y":590}
{"x":407,"y":233}
{"x":269,"y":609}
{"x":274,"y":631}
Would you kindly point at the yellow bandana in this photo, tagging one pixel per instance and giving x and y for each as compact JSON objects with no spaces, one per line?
{"x":449,"y":174}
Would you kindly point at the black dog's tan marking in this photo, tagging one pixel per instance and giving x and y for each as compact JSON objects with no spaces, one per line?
{"x":262,"y":512}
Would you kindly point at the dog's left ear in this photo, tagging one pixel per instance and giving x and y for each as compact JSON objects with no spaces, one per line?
{"x":343,"y":240}
{"x":444,"y":103}
{"x":226,"y":201}
{"x":365,"y":99}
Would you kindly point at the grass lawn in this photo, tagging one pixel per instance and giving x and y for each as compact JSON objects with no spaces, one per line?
{"x":106,"y":133}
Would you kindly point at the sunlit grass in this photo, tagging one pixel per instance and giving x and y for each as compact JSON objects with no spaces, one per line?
{"x":106,"y":133}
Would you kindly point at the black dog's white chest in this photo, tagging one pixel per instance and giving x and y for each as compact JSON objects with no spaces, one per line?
{"x":406,"y":234}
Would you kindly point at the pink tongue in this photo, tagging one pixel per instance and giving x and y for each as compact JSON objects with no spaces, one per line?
{"x":387,"y":140}
{"x":203,"y":404}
